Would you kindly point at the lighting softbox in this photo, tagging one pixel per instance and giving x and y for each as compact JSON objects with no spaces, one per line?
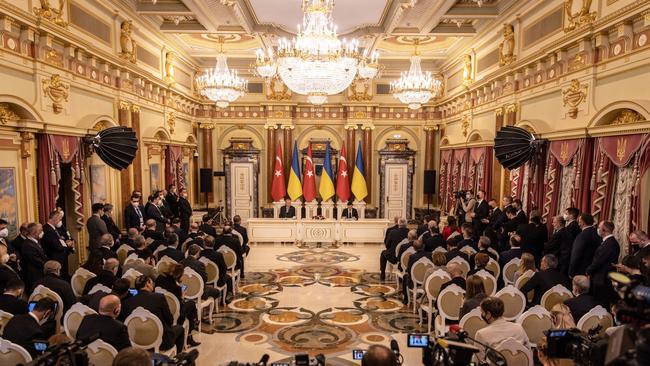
{"x":116,"y":146}
{"x":514,"y":146}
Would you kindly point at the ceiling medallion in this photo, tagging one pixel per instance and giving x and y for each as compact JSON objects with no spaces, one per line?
{"x":416,"y":87}
{"x":316,"y":63}
{"x":220,"y":84}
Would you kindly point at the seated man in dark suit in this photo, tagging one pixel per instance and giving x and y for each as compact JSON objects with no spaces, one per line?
{"x":547,"y":277}
{"x":398,"y":234}
{"x":106,"y":243}
{"x":229,"y":240}
{"x":172,"y":249}
{"x":110,"y":330}
{"x":120,"y":289}
{"x":389,"y":254}
{"x":11,"y":300}
{"x":432,"y":238}
{"x":468,"y":237}
{"x":106,"y":277}
{"x":156,"y":304}
{"x":483,"y":246}
{"x":236,"y":225}
{"x":210,"y":253}
{"x":457,"y":278}
{"x":207,"y":227}
{"x":26,"y":328}
{"x":52,"y":280}
{"x":389,"y":229}
{"x":453,"y":249}
{"x":350,"y":213}
{"x":514,"y":251}
{"x":192,"y":261}
{"x":583,"y":301}
{"x":287,"y":211}
{"x":419,"y":253}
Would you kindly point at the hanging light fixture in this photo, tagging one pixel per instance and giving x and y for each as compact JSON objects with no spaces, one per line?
{"x":416,"y":87}
{"x":316,"y":63}
{"x":220,"y":84}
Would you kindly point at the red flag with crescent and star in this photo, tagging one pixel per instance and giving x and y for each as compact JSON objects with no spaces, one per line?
{"x":309,"y":178}
{"x":343,"y":178}
{"x":278,"y":190}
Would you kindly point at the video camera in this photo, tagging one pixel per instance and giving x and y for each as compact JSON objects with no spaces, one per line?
{"x":460,"y":194}
{"x":452,"y":349}
{"x":584,"y":350}
{"x":70,"y":353}
{"x":181,"y":359}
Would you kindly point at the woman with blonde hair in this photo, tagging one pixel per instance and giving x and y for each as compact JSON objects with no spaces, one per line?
{"x":527,"y":263}
{"x":562,"y":318}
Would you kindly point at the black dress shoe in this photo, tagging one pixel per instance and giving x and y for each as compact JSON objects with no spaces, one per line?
{"x":192,"y":343}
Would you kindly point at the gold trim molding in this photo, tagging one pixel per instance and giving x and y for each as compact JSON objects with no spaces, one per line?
{"x":7,"y":114}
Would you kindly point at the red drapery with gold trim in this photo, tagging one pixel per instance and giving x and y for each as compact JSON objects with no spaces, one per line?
{"x":560,"y":156}
{"x":174,"y":166}
{"x":464,"y":169}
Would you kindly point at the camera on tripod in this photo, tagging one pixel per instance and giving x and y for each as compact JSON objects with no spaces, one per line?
{"x":585,"y":350}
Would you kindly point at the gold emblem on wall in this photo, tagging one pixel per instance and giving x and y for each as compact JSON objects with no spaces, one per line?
{"x":57,"y":91}
{"x":627,"y":116}
{"x":507,"y":46}
{"x":7,"y":114}
{"x":468,"y":76}
{"x":129,"y":49}
{"x":573,"y":96}
{"x":53,"y":14}
{"x":277,"y":90}
{"x":621,"y":146}
{"x":54,"y":58}
{"x":359,"y":90}
{"x":171,"y":122}
{"x":579,"y":18}
{"x":170,"y":77}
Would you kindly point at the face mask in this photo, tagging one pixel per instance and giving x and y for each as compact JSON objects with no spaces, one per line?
{"x":566,"y":217}
{"x":467,"y":196}
{"x":40,"y":235}
{"x":4,"y":233}
{"x":134,"y":203}
{"x":59,"y":224}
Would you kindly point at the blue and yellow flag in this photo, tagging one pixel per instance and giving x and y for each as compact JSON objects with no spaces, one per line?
{"x":326,"y":186}
{"x":294,"y":189}
{"x":359,"y":188}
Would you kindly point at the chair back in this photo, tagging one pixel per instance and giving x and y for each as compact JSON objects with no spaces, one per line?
{"x":162,"y":264}
{"x":211,"y":269}
{"x":494,"y":267}
{"x":509,"y":270}
{"x":434,"y":282}
{"x":122,"y":252}
{"x":399,"y":246}
{"x":468,"y":250}
{"x":13,"y":354}
{"x":419,"y":269}
{"x":99,"y":287}
{"x":79,"y":279}
{"x":133,"y":257}
{"x":523,"y":279}
{"x":40,"y":292}
{"x":5,"y":317}
{"x":515,"y":353}
{"x":194,"y":284}
{"x":555,"y":295}
{"x":131,"y":275}
{"x":596,"y":316}
{"x":229,"y":257}
{"x":489,"y":282}
{"x":404,"y":260}
{"x":514,"y":302}
{"x":449,"y":301}
{"x":472,"y":322}
{"x":494,"y":252}
{"x":440,"y":249}
{"x":100,"y":353}
{"x":464,"y":265}
{"x":535,"y":321}
{"x":73,"y":317}
{"x":145,"y":329}
{"x":172,"y":302}
{"x":158,"y":249}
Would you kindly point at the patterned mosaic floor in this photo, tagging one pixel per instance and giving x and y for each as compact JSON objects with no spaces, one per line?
{"x":316,"y":304}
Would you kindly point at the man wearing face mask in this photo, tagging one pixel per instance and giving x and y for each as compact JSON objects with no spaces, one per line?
{"x":498,"y":329}
{"x":605,"y":256}
{"x":134,"y":214}
{"x":96,"y":226}
{"x":24,"y":329}
{"x":172,"y":199}
{"x":154,"y":213}
{"x":55,"y":246}
{"x":4,"y":232}
{"x":481,"y":214}
{"x":33,"y":255}
{"x":584,"y":246}
{"x":110,"y":330}
{"x":184,"y":210}
{"x":571,"y":217}
{"x":560,"y":244}
{"x":640,"y":242}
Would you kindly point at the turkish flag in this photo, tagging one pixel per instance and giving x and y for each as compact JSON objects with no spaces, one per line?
{"x":309,"y":178}
{"x":343,"y":178}
{"x":278,"y":190}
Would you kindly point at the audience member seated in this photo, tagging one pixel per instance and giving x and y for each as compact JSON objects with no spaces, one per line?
{"x":512,"y":253}
{"x":24,"y":329}
{"x":583,"y":300}
{"x":172,"y":249}
{"x":453,"y":249}
{"x":439,"y":262}
{"x":389,"y":255}
{"x":140,"y":247}
{"x":419,"y":253}
{"x":215,"y":256}
{"x":397,"y":235}
{"x":207,"y":227}
{"x":151,"y":231}
{"x":483,"y":245}
{"x":130,"y":237}
{"x":480,"y":262}
{"x":498,"y":329}
{"x":105,"y":249}
{"x":547,"y":277}
{"x":456,"y":273}
{"x":379,"y":355}
{"x":106,"y":276}
{"x":227,"y":239}
{"x":236,"y":226}
{"x":192,"y":261}
{"x":132,"y":357}
{"x":120,"y":289}
{"x":52,"y":280}
{"x":432,"y":238}
{"x":451,"y":229}
{"x":147,"y":268}
{"x":474,"y":294}
{"x":584,"y":246}
{"x":105,"y":323}
{"x":468,"y":237}
{"x":11,"y":300}
{"x":94,"y":263}
{"x":424,"y":227}
{"x":157,"y":305}
{"x":526,"y":264}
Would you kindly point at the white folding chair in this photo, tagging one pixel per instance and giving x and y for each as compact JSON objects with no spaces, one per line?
{"x":99,"y":287}
{"x":472,"y":322}
{"x":494,"y":267}
{"x":404,"y":261}
{"x":496,"y":254}
{"x":73,"y":317}
{"x":555,"y":295}
{"x":164,"y":261}
{"x":174,"y":308}
{"x":13,"y":354}
{"x":535,"y":321}
{"x":194,"y":292}
{"x":390,"y":267}
{"x":100,"y":353}
{"x":449,"y":302}
{"x":464,"y":265}
{"x":123,"y":252}
{"x":432,"y":286}
{"x":489,"y":282}
{"x":146,"y":331}
{"x":440,"y":249}
{"x":79,"y":279}
{"x":468,"y":250}
{"x":418,"y":270}
{"x":515,"y":353}
{"x":40,"y":292}
{"x":594,"y":317}
{"x":213,"y":277}
{"x":509,"y":270}
{"x":158,"y":249}
{"x":131,"y":274}
{"x":514,"y":302}
{"x":230,"y":257}
{"x":521,"y":281}
{"x":133,"y":258}
{"x":5,"y":317}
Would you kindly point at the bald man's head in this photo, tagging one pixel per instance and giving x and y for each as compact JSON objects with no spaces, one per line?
{"x":455,"y":270}
{"x":111,"y":264}
{"x":110,"y":305}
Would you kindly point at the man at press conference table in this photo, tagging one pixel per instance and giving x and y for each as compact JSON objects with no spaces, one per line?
{"x":350,"y":213}
{"x":287,"y":211}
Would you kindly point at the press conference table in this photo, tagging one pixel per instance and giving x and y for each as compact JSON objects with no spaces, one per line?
{"x":316,"y":231}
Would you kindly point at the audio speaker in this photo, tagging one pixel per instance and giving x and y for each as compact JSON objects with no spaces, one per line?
{"x":206,"y":180}
{"x":429,"y":181}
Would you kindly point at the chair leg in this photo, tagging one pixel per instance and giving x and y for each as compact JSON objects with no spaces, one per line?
{"x":429,"y":322}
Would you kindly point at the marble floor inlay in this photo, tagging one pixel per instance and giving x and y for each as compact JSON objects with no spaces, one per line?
{"x":312,"y":301}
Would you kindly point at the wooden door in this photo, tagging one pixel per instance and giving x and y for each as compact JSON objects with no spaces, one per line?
{"x":242,"y":190}
{"x":396,"y":195}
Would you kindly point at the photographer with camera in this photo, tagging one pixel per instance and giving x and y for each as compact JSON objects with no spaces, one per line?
{"x":465,"y":205}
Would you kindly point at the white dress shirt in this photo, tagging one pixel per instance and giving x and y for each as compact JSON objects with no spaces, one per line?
{"x":498,"y":331}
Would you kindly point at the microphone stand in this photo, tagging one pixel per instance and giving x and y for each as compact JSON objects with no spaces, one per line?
{"x":497,"y":357}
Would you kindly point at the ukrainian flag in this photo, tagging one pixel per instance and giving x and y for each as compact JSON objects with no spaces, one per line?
{"x":294,"y":189}
{"x":326,"y":187}
{"x":359,"y":188}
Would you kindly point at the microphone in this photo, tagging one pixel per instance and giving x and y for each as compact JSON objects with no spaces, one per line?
{"x":394,"y":346}
{"x":263,"y":360}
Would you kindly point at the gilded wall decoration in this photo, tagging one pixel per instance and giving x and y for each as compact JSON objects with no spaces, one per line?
{"x":627,"y":116}
{"x":578,"y":18}
{"x":359,"y":90}
{"x":171,"y":122}
{"x":573,"y":96}
{"x":51,"y":13}
{"x":170,"y":77}
{"x":7,"y":114}
{"x":468,"y":69}
{"x":277,"y":90}
{"x":507,"y":46}
{"x":57,"y":91}
{"x":54,"y":58}
{"x":465,"y":123}
{"x":129,"y":49}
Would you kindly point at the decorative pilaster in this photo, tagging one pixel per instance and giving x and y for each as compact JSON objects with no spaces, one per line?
{"x":350,"y":142}
{"x":367,"y":157}
{"x":137,"y":162}
{"x":271,"y":142}
{"x":287,"y":133}
{"x":499,"y":189}
{"x":126,"y":175}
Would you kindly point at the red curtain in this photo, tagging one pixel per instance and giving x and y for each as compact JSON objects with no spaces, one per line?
{"x":463,"y":169}
{"x":560,"y":156}
{"x":174,"y":166}
{"x":445,"y":174}
{"x":47,"y":178}
{"x":583,"y":164}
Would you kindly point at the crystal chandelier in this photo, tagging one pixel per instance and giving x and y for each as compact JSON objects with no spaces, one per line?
{"x":416,"y":87}
{"x":220,"y":84}
{"x":316,"y":63}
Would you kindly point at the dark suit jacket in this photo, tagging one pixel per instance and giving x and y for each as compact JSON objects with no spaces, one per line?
{"x":233,"y":243}
{"x":582,"y":253}
{"x":6,"y":273}
{"x":521,"y":217}
{"x":208,"y":229}
{"x":481,"y":211}
{"x":287,"y":213}
{"x":388,"y":231}
{"x":560,"y":246}
{"x":106,"y":253}
{"x":542,"y":281}
{"x":172,"y":253}
{"x":96,"y":228}
{"x":106,"y":278}
{"x":496,"y":218}
{"x":460,"y":281}
{"x":59,"y":286}
{"x":432,"y":241}
{"x":606,"y":254}
{"x":466,"y":242}
{"x":131,"y":217}
{"x":508,"y":255}
{"x":574,"y":229}
{"x":153,"y":212}
{"x":456,"y":253}
{"x":396,"y":236}
{"x":169,"y":283}
{"x":185,"y":213}
{"x":416,"y":257}
{"x":172,"y":200}
{"x":52,"y":245}
{"x":471,"y":304}
{"x":217,"y":258}
{"x":197,"y":266}
{"x":243,"y":232}
{"x":110,"y":330}
{"x":533,"y":238}
{"x":32,"y":262}
{"x":350,"y":213}
{"x":580,"y":305}
{"x":157,"y":305}
{"x":13,"y":305}
{"x":23,"y":330}
{"x":422,"y":229}
{"x":113,"y":229}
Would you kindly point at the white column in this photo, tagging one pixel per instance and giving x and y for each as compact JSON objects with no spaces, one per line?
{"x":327,"y":209}
{"x":276,"y":208}
{"x":311,"y":208}
{"x":298,"y":206}
{"x":361,"y":209}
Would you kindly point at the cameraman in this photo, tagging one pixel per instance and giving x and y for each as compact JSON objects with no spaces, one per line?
{"x":465,"y":207}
